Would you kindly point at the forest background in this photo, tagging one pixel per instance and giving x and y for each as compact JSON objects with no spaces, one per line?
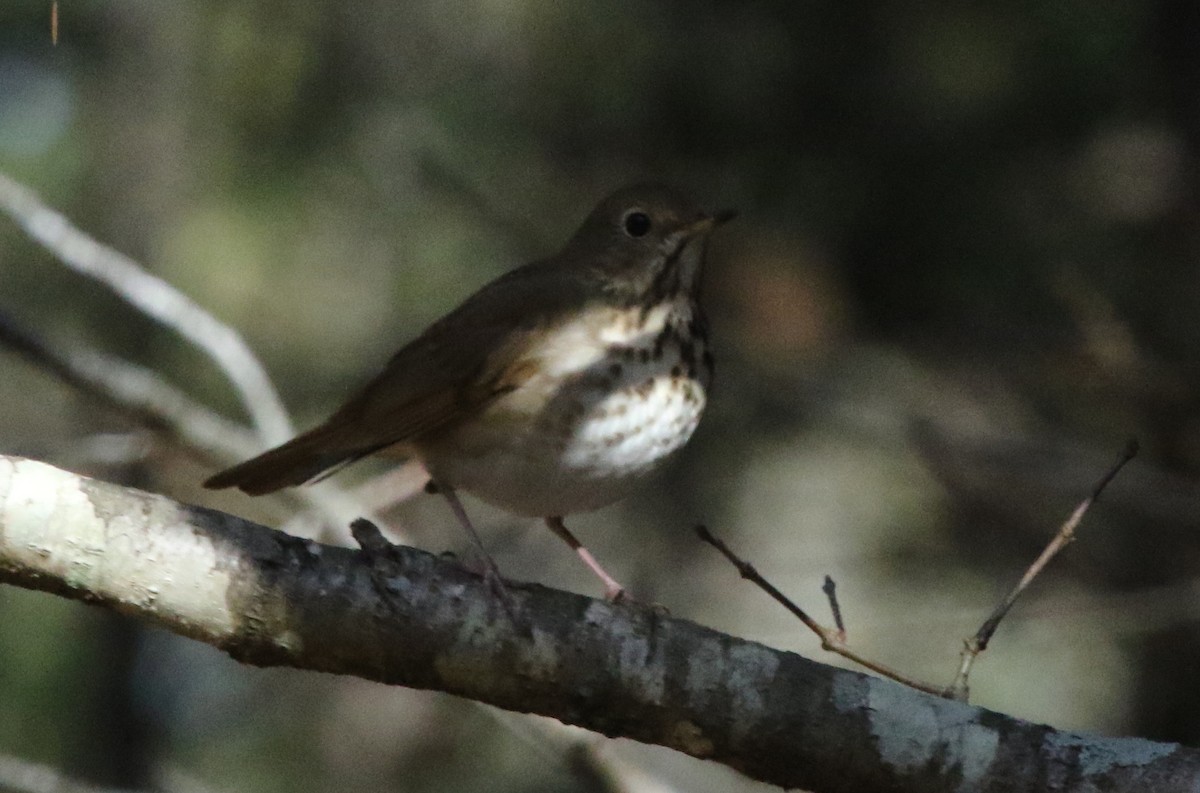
{"x":964,"y":272}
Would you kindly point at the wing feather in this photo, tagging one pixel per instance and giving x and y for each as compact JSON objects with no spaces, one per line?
{"x":450,"y":372}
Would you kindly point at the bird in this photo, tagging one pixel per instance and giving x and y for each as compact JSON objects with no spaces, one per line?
{"x":552,"y":390}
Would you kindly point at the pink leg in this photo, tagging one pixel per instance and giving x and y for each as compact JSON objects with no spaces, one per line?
{"x":491,"y":572}
{"x":612,"y":590}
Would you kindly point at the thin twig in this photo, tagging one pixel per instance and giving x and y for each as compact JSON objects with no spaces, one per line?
{"x":747,"y":571}
{"x":140,"y":392}
{"x":137,"y":392}
{"x":972,"y":647}
{"x":151,"y":401}
{"x":830,"y":590}
{"x":831,"y":640}
{"x":157,"y":299}
{"x":370,"y":538}
{"x":835,"y":640}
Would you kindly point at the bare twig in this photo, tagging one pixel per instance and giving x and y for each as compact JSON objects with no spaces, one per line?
{"x":152,"y":402}
{"x":972,"y":647}
{"x":747,"y":571}
{"x":146,"y":396}
{"x":136,"y":392}
{"x":830,"y":590}
{"x":370,"y":539}
{"x":157,"y":299}
{"x":832,"y":640}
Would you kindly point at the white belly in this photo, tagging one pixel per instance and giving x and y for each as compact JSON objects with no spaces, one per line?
{"x":544,"y":450}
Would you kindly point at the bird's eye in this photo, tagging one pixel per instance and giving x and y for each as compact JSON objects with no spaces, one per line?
{"x":637,"y":224}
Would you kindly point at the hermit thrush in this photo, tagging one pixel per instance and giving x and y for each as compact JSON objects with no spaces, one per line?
{"x":553,"y":389}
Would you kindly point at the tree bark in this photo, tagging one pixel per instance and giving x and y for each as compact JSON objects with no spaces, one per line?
{"x":406,"y":617}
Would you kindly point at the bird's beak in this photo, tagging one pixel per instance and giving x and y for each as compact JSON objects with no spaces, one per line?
{"x":707,"y":223}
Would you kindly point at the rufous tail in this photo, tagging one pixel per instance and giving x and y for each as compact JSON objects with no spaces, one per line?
{"x":300,"y":460}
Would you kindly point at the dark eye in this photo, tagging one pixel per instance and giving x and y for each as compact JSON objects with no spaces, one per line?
{"x":637,"y":224}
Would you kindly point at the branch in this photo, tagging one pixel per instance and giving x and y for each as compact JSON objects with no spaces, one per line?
{"x":978,"y":643}
{"x":157,"y":299}
{"x":406,"y":617}
{"x":832,"y":639}
{"x":138,"y":393}
{"x":151,"y":401}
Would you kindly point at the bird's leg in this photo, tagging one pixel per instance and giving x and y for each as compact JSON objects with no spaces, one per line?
{"x":612,"y":590}
{"x":491,"y":573}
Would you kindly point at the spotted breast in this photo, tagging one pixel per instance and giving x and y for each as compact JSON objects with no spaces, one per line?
{"x":604,"y":398}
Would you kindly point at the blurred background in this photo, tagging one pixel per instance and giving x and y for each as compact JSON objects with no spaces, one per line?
{"x":964,"y":273}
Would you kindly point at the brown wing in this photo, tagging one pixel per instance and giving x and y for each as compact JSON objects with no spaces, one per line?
{"x":449,"y":372}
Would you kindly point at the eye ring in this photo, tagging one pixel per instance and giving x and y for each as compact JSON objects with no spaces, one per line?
{"x":637,"y":223}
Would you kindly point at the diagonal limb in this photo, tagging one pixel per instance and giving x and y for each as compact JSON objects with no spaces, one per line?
{"x":612,"y":590}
